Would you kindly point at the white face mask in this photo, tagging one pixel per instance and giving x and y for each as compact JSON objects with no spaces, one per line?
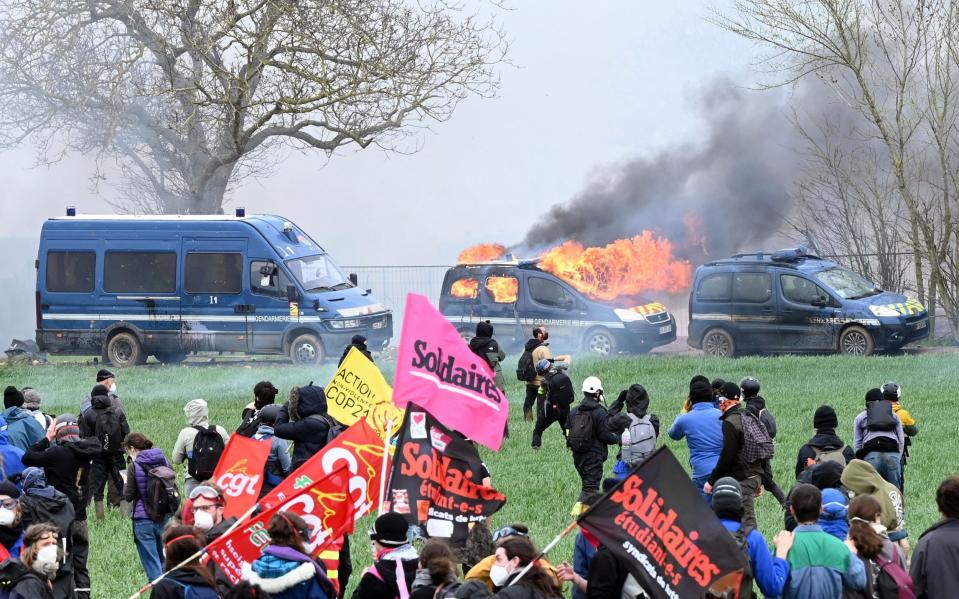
{"x":202,"y":520}
{"x":499,"y":575}
{"x":6,"y":516}
{"x":47,"y":560}
{"x":113,"y":388}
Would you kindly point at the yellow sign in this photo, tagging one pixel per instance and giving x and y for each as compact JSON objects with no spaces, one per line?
{"x":294,"y":310}
{"x":358,"y":390}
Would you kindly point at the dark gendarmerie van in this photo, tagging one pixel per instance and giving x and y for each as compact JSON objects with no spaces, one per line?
{"x":515,"y":297}
{"x":127,"y":287}
{"x":794,"y":301}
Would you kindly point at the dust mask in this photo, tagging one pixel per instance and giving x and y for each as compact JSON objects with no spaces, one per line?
{"x":499,"y":575}
{"x":202,"y":520}
{"x":47,"y":561}
{"x":113,"y":388}
{"x":6,"y":516}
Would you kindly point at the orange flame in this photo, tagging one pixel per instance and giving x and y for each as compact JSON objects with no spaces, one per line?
{"x":484,"y":252}
{"x":465,"y":288}
{"x":626,"y":267}
{"x":505,"y":290}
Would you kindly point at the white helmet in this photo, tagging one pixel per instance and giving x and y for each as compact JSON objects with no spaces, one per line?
{"x":592,"y":385}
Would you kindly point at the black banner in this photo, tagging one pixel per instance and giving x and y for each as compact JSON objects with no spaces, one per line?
{"x":437,"y":478}
{"x":657,"y":523}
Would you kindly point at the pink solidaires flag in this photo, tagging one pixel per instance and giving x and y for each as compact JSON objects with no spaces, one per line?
{"x":437,"y":371}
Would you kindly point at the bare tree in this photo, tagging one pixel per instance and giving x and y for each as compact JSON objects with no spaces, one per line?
{"x":189,"y":97}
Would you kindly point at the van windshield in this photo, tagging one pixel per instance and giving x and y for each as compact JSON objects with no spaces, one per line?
{"x":318,"y":273}
{"x":847,"y":284}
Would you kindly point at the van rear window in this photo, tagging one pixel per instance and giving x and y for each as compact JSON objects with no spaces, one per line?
{"x":71,"y":272}
{"x":139,"y":272}
{"x":214,"y":273}
{"x":715,"y":288}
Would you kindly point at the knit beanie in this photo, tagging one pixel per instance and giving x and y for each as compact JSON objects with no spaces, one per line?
{"x":99,"y":391}
{"x":104,"y":374}
{"x":390,"y":530}
{"x":31,"y":399}
{"x":826,"y":475}
{"x":873,"y":395}
{"x":9,"y":489}
{"x":700,"y":391}
{"x":12,"y":398}
{"x":67,"y":428}
{"x":825,"y":417}
{"x":727,"y":496}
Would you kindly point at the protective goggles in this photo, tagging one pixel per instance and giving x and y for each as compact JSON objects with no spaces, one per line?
{"x":206,"y":492}
{"x":507,"y":531}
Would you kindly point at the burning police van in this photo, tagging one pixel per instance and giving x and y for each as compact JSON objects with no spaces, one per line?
{"x":518,"y":296}
{"x":794,"y":301}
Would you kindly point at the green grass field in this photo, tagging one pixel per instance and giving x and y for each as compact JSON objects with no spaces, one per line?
{"x":541,"y":487}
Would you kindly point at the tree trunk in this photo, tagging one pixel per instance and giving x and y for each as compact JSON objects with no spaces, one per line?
{"x":211,"y":192}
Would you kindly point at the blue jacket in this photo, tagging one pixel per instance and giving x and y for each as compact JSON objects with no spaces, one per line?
{"x":23,"y":430}
{"x":704,"y":430}
{"x":821,"y":566}
{"x":833,"y":518}
{"x":12,"y":465}
{"x":288,"y":574}
{"x":769,"y":572}
{"x":583,"y":552}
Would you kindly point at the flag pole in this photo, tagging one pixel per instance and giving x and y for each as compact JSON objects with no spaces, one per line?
{"x":547,"y":549}
{"x":386,"y":455}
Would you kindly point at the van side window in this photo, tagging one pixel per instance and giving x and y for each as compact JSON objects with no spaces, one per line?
{"x":71,"y":272}
{"x":715,"y":288}
{"x":550,"y":293}
{"x":266,"y":278}
{"x":753,"y":287}
{"x":801,"y":291}
{"x":503,"y":289}
{"x":139,"y":272}
{"x":466,"y":288}
{"x":214,"y":272}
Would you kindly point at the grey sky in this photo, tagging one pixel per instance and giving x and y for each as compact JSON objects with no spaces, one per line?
{"x":591,"y":86}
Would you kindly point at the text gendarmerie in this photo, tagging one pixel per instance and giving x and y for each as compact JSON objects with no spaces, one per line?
{"x":446,"y":370}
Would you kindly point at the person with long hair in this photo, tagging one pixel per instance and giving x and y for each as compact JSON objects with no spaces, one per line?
{"x":512,"y":557}
{"x":180,"y":544}
{"x":437,"y":573}
{"x":284,"y":569}
{"x":869,"y":539}
{"x":39,"y":561}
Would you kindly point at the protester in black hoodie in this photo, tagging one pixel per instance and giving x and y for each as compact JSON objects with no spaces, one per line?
{"x":393,"y":557}
{"x":109,"y":463}
{"x":756,"y":405}
{"x":631,"y":410}
{"x":484,"y":346}
{"x":303,"y":420}
{"x":825,"y":441}
{"x":359,"y":342}
{"x":41,"y":503}
{"x":539,"y":350}
{"x":264,"y":394}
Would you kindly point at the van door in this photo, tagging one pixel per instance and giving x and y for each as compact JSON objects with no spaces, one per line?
{"x":552,"y":305}
{"x":271,"y":312}
{"x":499,"y":306}
{"x":754,"y":310}
{"x":805,"y":325}
{"x":215,"y":309}
{"x":67,"y":281}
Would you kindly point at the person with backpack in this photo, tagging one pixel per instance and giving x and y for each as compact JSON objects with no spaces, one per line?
{"x":264,"y":394}
{"x":878,"y":437}
{"x":768,"y":571}
{"x":304,"y":421}
{"x":436,"y":577}
{"x":640,"y":429}
{"x":278,"y":462}
{"x":746,"y":446}
{"x":555,"y":398}
{"x":151,"y":489}
{"x":394,"y":560}
{"x":31,"y":575}
{"x":756,"y":404}
{"x":892,"y":392}
{"x":536,"y":349}
{"x":184,"y":581}
{"x":935,"y":564}
{"x":821,"y":566}
{"x":487,"y":348}
{"x":107,"y":424}
{"x":358,"y":342}
{"x":589,"y":437}
{"x":825,"y":445}
{"x":41,"y":503}
{"x":63,"y":456}
{"x":861,"y":478}
{"x":199,"y":443}
{"x":702,"y":428}
{"x":23,"y":430}
{"x":884,"y":562}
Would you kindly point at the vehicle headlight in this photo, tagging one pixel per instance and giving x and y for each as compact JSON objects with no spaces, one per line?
{"x":628,"y":315}
{"x":883,"y":311}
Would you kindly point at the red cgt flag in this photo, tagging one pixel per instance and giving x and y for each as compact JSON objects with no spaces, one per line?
{"x":240,"y":473}
{"x":324,"y":505}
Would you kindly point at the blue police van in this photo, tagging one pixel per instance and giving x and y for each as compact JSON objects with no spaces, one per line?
{"x":517,"y":296}
{"x":794,"y":301}
{"x":127,"y":287}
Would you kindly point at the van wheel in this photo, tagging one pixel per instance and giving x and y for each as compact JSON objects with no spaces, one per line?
{"x":600,"y":342}
{"x":124,"y":349}
{"x":719,"y":344}
{"x":856,"y":341}
{"x":307,"y":350}
{"x":170,"y":357}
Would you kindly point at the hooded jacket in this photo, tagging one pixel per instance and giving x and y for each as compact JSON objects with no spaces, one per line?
{"x":862,"y":479}
{"x":23,"y":430}
{"x":31,"y":586}
{"x":285,"y":573}
{"x":277,"y":463}
{"x":821,"y":566}
{"x":135,"y":488}
{"x":62,"y":463}
{"x":12,"y":457}
{"x":303,"y":420}
{"x":175,"y":584}
{"x":487,"y":348}
{"x":42,"y":503}
{"x":381,"y":584}
{"x":935,"y":563}
{"x":197,"y":415}
{"x":758,"y":404}
{"x":603,"y":437}
{"x":769,"y":572}
{"x":834,"y":516}
{"x":98,"y":405}
{"x":635,"y":401}
{"x":825,"y":439}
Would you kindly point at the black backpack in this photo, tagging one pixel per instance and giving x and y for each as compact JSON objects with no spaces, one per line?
{"x":208,"y":446}
{"x":580,"y":438}
{"x":880,"y":417}
{"x":108,"y":430}
{"x":745,"y":590}
{"x":163,"y":498}
{"x":249,"y":425}
{"x":559,"y":390}
{"x":525,"y":369}
{"x":335,"y":427}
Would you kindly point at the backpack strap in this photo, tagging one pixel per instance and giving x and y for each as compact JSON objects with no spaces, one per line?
{"x":401,"y":580}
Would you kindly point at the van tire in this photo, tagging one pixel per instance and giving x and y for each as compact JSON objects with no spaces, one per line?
{"x":170,"y":357}
{"x":856,"y":341}
{"x":600,"y":342}
{"x":124,"y":349}
{"x":307,"y":350}
{"x":718,"y":343}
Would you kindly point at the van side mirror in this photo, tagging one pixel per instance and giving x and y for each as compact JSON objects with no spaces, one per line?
{"x":354,"y":280}
{"x":820,"y":302}
{"x":291,"y":293}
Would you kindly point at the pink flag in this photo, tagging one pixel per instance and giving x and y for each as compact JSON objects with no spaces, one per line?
{"x":436,"y":370}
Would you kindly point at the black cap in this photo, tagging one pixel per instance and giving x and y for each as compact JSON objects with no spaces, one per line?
{"x":358,"y":340}
{"x":104,"y":374}
{"x":825,"y":417}
{"x":730,"y":391}
{"x":12,"y":397}
{"x":390,"y":530}
{"x":700,"y":391}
